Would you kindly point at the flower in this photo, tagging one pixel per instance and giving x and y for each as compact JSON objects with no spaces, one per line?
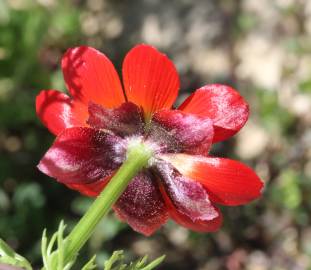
{"x":97,"y":124}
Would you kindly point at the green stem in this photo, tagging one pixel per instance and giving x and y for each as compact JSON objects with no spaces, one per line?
{"x":138,"y":156}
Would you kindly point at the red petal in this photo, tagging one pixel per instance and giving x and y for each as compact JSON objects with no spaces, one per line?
{"x":223,"y":105}
{"x":124,"y":120}
{"x":57,"y":111}
{"x":182,"y":132}
{"x":188,"y":196}
{"x":150,"y":79}
{"x":90,"y":76}
{"x":141,"y":205}
{"x":91,"y":189}
{"x":228,"y":182}
{"x":183,"y":220}
{"x":82,"y":155}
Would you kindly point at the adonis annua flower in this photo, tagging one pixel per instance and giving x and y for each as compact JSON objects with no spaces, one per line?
{"x":102,"y":119}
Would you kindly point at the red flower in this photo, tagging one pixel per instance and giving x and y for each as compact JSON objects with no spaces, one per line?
{"x":97,"y":123}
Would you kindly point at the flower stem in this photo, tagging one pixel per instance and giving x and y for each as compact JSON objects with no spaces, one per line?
{"x":138,"y":156}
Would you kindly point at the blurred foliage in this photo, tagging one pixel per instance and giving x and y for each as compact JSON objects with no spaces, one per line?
{"x":260,"y":47}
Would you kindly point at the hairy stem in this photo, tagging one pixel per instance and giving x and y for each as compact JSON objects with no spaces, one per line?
{"x":138,"y":156}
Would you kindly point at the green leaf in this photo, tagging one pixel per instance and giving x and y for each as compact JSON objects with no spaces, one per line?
{"x":53,"y":250}
{"x":155,"y":263}
{"x":5,"y":249}
{"x":90,"y":265}
{"x":8,"y":256}
{"x":116,"y":262}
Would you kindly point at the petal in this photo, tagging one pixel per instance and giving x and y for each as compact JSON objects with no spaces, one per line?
{"x":91,"y":189}
{"x":183,"y":220}
{"x":124,"y":120}
{"x":150,"y":79}
{"x":82,"y":155}
{"x":227,"y":182}
{"x":141,"y":205}
{"x":223,"y":105}
{"x":58,"y":111}
{"x":182,"y":132}
{"x":90,"y":76}
{"x":188,"y":197}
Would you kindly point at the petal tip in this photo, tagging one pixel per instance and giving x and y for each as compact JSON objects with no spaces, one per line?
{"x":150,"y":79}
{"x":42,"y":167}
{"x":221,"y":103}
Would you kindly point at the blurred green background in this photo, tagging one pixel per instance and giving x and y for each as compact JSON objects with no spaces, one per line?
{"x":262,"y":48}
